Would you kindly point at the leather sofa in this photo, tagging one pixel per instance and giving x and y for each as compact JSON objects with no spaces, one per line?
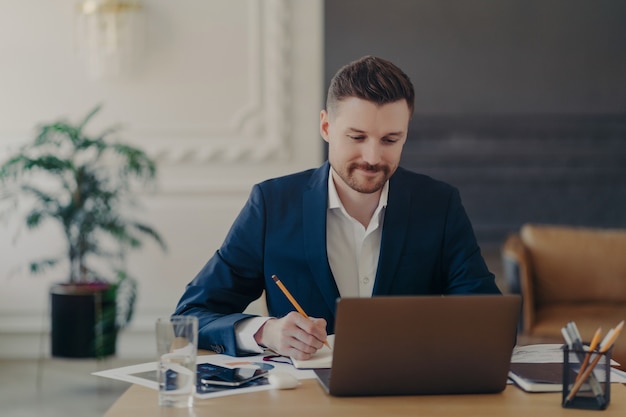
{"x":567,"y":273}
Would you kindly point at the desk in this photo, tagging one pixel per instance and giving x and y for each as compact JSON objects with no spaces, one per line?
{"x":309,"y":399}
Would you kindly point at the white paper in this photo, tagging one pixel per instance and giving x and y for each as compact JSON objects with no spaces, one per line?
{"x":541,"y":353}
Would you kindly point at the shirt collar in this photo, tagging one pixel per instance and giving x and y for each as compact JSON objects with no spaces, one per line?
{"x":333,"y":198}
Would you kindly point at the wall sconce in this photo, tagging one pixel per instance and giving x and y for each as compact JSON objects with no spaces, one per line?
{"x":109,"y":36}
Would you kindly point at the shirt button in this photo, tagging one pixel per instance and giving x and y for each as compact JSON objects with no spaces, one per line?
{"x":366,"y":280}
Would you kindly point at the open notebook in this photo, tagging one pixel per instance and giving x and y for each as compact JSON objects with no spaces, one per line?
{"x":407,"y":345}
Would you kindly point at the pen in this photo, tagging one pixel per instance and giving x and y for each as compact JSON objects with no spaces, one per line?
{"x":293,"y":301}
{"x":568,"y":340}
{"x":604,"y":346}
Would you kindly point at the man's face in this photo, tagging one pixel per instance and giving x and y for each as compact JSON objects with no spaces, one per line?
{"x":365,"y":141}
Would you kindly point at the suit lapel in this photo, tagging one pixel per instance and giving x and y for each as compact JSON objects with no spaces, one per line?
{"x":394,"y":234}
{"x":314,"y":215}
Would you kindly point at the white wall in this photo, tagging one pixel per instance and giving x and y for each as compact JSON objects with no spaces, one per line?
{"x":226,"y":94}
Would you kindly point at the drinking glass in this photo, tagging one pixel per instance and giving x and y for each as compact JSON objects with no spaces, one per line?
{"x":177,"y":348}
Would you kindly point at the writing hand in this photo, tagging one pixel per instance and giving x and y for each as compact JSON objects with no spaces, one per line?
{"x":293,"y":335}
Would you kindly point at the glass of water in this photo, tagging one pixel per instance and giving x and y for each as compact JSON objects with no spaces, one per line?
{"x":177,"y":348}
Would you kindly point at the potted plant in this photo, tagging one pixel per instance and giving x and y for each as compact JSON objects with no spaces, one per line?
{"x":87,"y":186}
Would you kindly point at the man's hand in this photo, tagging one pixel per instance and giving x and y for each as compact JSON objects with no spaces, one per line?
{"x":293,"y":335}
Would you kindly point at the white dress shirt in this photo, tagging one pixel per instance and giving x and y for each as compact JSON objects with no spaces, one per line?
{"x":352,"y":249}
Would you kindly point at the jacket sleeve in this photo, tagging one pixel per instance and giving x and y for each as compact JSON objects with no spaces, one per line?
{"x":229,"y":281}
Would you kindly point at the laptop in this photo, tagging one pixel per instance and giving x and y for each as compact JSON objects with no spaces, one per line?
{"x":410,"y":345}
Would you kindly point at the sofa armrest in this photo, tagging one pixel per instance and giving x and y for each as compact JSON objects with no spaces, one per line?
{"x":518,"y":270}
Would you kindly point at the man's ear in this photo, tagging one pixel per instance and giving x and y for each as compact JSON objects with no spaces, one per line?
{"x":324,"y":124}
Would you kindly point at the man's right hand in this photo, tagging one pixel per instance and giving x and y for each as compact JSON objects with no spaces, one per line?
{"x":293,"y":335}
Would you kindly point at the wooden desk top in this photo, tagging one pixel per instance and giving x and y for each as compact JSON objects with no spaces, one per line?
{"x":309,"y":399}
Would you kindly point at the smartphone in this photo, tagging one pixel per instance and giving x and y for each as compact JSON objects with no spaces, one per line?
{"x":209,"y":374}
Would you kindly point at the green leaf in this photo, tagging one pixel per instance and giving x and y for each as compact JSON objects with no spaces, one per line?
{"x":43,"y":265}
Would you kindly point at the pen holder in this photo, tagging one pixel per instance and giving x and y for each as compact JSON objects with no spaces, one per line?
{"x":594,"y":392}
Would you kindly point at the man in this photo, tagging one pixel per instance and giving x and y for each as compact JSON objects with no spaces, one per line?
{"x":358,"y":226}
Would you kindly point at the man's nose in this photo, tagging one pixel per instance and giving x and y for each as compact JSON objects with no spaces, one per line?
{"x":371,"y":152}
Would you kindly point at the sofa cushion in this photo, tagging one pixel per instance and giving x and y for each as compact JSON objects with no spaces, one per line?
{"x":573,"y":264}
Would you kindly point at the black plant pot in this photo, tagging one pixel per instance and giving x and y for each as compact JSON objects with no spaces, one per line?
{"x":83,"y":320}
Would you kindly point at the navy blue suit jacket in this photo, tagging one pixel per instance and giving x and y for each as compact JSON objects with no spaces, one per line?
{"x":428,"y":247}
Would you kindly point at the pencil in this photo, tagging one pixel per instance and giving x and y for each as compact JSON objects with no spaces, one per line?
{"x":293,"y":301}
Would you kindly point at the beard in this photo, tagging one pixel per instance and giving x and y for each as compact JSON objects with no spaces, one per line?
{"x":367,"y":185}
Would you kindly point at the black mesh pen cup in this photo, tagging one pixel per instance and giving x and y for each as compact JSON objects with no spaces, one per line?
{"x":589,"y":389}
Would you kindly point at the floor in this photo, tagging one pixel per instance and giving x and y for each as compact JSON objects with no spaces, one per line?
{"x":63,"y":387}
{"x":58,"y":387}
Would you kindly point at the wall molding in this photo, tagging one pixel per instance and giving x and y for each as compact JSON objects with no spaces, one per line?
{"x":257,"y":130}
{"x":260,"y":129}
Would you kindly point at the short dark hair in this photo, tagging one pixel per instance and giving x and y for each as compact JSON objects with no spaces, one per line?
{"x":373,"y":79}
